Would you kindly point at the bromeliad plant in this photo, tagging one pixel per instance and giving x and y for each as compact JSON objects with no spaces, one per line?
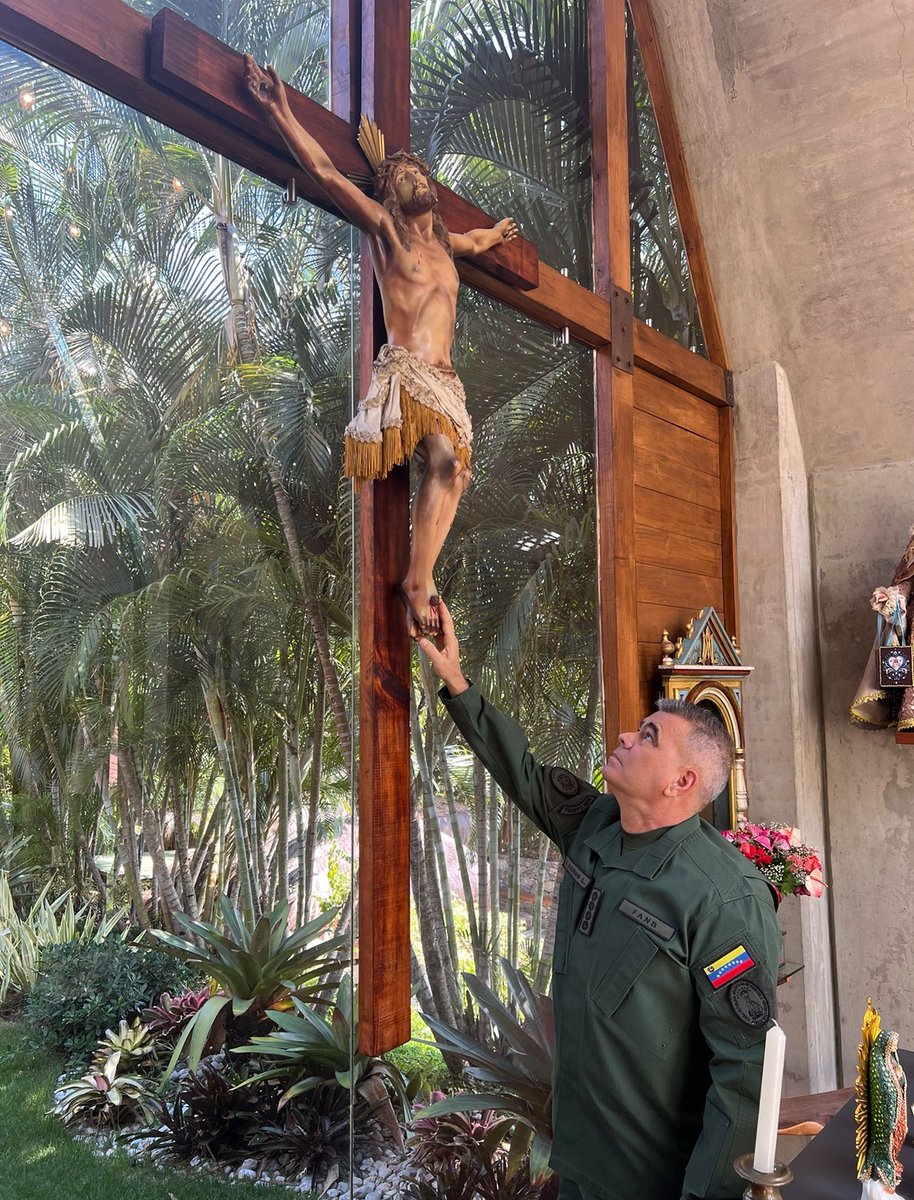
{"x":518,"y":1074}
{"x":310,"y":1052}
{"x":133,"y":1042}
{"x":168,"y":1017}
{"x":105,"y":1096}
{"x":257,"y":967}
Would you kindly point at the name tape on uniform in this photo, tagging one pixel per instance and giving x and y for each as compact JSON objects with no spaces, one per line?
{"x":648,"y":920}
{"x":580,"y":877}
{"x":728,"y":966}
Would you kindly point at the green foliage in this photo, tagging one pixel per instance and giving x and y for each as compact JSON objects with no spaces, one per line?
{"x":106,"y":1097}
{"x":517,"y":1074}
{"x":309,"y":1052}
{"x":132,"y":1041}
{"x":465,"y":1136}
{"x":209,"y":1114}
{"x":312,"y":1133}
{"x":24,"y":939}
{"x":257,"y":965}
{"x":83,"y":990}
{"x":422,"y":1064}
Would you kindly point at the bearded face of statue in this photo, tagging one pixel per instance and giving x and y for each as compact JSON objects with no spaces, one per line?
{"x":414,"y":191}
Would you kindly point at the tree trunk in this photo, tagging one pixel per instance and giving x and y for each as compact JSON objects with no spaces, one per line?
{"x":314,"y":791}
{"x":481,"y":951}
{"x":182,"y":854}
{"x":220,"y":726}
{"x":431,"y":926}
{"x":129,"y":778}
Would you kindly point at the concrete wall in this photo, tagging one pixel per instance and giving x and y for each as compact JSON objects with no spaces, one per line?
{"x":861,"y":522}
{"x":797,"y":119}
{"x":783,"y":713}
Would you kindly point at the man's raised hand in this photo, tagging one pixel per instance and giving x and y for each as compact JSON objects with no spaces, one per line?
{"x":444,"y":653}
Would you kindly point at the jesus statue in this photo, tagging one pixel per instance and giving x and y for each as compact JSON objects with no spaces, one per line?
{"x":415,"y":404}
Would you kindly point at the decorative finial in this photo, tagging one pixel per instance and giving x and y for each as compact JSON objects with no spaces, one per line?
{"x":371,"y":140}
{"x":667,"y":647}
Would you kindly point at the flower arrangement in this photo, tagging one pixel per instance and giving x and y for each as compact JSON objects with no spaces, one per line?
{"x":776,"y":849}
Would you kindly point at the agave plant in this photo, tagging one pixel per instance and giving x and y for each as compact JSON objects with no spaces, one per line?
{"x":519,"y":1075}
{"x":106,"y":1096}
{"x":132,"y":1041}
{"x":166,"y":1019}
{"x":309,"y":1051}
{"x":257,"y":966}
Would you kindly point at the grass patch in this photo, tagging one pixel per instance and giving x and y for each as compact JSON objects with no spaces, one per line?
{"x":40,"y":1160}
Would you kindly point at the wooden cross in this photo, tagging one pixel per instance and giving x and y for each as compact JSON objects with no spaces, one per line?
{"x":180,"y":76}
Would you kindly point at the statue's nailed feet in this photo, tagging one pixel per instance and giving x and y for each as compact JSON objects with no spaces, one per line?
{"x":421,"y":604}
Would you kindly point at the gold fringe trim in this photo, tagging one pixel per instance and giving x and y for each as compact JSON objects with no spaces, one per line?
{"x":363,"y":461}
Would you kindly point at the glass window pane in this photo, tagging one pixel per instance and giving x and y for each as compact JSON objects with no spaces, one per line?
{"x":519,"y":574}
{"x":293,"y":35}
{"x":176,"y":554}
{"x":662,"y":292}
{"x":501,"y":113}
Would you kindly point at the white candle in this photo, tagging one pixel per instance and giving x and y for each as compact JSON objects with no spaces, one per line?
{"x":766,"y":1134}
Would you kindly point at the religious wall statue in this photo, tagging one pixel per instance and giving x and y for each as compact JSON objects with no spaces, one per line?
{"x":885,"y":696}
{"x":881,"y":1110}
{"x":416,"y":403}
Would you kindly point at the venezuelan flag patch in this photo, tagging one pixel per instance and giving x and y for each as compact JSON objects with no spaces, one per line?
{"x":731,"y":964}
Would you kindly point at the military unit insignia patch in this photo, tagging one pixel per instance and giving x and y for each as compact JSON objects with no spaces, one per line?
{"x":735,"y":962}
{"x":749,"y":1003}
{"x":564,"y":782}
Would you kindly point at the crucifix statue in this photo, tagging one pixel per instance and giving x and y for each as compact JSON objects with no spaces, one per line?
{"x":416,"y":404}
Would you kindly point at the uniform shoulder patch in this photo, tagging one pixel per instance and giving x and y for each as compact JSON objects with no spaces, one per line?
{"x":564,"y":782}
{"x":730,"y":965}
{"x":749,"y":1003}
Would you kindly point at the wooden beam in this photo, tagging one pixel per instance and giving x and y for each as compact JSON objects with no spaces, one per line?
{"x":193,"y":64}
{"x":558,"y":302}
{"x":384,"y":650}
{"x":684,"y":197}
{"x":660,"y":355}
{"x":728,"y":523}
{"x":614,"y":387}
{"x":105,"y":45}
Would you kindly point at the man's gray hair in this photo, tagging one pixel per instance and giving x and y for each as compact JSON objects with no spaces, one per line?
{"x":709,"y":741}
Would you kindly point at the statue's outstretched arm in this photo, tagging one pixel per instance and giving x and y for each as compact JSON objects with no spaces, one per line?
{"x":269,"y":91}
{"x":477,"y":241}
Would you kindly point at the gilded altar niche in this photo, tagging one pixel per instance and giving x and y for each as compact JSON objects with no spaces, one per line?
{"x":704,"y":667}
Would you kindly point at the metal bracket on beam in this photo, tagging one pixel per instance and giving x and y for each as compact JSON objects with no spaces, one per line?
{"x":622,"y":326}
{"x":728,"y":389}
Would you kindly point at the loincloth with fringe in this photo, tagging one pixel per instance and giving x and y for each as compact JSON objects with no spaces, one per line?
{"x":408,"y":399}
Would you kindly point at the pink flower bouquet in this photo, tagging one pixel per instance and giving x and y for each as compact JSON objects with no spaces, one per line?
{"x":776,"y":849}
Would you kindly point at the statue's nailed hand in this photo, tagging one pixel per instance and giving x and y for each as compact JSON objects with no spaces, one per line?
{"x":444,"y":653}
{"x":266,"y":86}
{"x":508,"y":229}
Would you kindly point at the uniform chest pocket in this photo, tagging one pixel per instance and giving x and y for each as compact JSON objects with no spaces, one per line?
{"x":658,"y":1012}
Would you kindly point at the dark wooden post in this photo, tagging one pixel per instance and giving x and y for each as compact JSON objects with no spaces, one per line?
{"x":384,"y":650}
{"x":614,"y":391}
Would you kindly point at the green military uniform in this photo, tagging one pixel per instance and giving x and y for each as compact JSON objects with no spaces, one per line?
{"x":665,"y":967}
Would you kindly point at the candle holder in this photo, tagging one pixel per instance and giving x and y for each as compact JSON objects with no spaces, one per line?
{"x":763,"y":1185}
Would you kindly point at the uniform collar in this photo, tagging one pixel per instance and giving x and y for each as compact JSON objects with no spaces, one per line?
{"x":607,"y":843}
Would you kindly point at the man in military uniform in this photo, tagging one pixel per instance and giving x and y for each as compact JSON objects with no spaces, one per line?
{"x":666,"y":951}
